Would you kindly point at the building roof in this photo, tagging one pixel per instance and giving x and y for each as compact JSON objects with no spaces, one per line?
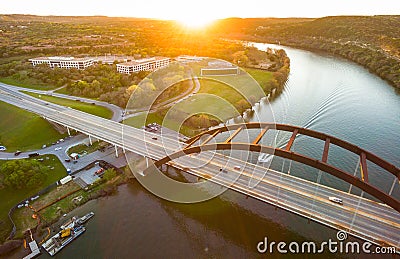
{"x":60,"y":58}
{"x":142,"y":61}
{"x":220,"y":64}
{"x":112,"y":58}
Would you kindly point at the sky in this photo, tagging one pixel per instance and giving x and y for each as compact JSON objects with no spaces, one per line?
{"x":201,"y":9}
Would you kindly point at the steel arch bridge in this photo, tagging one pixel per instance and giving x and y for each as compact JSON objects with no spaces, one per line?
{"x":322,"y":164}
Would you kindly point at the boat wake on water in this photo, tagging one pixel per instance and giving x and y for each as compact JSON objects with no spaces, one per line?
{"x":328,"y":104}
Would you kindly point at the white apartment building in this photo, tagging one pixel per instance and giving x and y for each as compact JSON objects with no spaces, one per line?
{"x":63,"y":62}
{"x":145,"y":64}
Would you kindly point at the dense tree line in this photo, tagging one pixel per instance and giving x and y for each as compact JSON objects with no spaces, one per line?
{"x":31,"y":36}
{"x":22,"y":174}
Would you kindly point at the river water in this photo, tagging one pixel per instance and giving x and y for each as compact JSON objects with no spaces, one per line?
{"x":323,"y":93}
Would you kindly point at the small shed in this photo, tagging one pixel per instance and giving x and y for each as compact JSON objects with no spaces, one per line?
{"x":74,"y":156}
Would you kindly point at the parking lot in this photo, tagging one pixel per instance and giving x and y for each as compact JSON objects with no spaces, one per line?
{"x":88,"y":176}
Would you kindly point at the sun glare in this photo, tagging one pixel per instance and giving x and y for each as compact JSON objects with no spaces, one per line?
{"x":195,"y":22}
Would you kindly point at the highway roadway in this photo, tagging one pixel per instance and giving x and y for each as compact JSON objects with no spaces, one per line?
{"x":361,"y":217}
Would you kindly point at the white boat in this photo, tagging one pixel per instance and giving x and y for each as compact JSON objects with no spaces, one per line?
{"x":85,"y":218}
{"x":264,"y":158}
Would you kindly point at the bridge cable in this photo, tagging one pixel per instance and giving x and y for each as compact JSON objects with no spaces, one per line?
{"x":355,"y":172}
{"x":316,"y":191}
{"x":356,"y":212}
{"x":391,"y":188}
{"x":290,"y":166}
{"x":280,"y":182}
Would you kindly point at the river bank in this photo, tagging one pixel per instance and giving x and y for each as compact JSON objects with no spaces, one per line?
{"x":49,"y":210}
{"x":337,"y":52}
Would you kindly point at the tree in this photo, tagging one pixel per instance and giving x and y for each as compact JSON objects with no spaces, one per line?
{"x":21,"y":174}
{"x":242,"y":105}
{"x":240,"y":58}
{"x":109,"y":174}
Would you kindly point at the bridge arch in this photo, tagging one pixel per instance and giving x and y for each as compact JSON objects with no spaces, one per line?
{"x":322,"y":164}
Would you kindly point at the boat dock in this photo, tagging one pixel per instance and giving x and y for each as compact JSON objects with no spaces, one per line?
{"x":34,"y":250}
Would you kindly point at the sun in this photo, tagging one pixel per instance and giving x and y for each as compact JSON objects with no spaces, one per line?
{"x":195,"y":22}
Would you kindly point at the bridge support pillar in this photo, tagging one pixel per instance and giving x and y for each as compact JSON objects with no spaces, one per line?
{"x":116,"y":151}
{"x":69,"y":133}
{"x":147,"y":162}
{"x":123,"y":150}
{"x":90,"y":140}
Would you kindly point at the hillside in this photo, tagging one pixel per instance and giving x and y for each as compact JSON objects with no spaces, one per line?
{"x":372,"y":41}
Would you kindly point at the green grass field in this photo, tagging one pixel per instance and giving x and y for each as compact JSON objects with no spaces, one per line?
{"x":220,"y":89}
{"x":88,"y":149}
{"x":23,"y":130}
{"x":81,"y":106}
{"x":27,"y":83}
{"x":261,"y":76}
{"x":10,"y":197}
{"x":226,"y":99}
{"x":141,"y":120}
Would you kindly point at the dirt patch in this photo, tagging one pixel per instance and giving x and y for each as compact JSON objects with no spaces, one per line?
{"x":9,"y":246}
{"x":58,"y":127}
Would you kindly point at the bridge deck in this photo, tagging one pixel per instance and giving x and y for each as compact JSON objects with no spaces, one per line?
{"x":361,"y":217}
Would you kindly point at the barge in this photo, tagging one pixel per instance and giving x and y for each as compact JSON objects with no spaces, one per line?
{"x":69,"y":231}
{"x":62,"y":239}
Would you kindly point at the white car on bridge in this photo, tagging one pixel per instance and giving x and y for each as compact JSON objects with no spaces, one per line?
{"x":336,"y":200}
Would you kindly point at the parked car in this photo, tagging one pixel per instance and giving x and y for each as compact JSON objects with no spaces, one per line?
{"x":155,"y":138}
{"x":236,"y":167}
{"x":58,"y":148}
{"x":3,"y":148}
{"x":67,"y":160}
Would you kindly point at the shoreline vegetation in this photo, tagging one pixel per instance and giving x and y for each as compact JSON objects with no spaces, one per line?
{"x":15,"y":187}
{"x":371,"y":41}
{"x":54,"y":202}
